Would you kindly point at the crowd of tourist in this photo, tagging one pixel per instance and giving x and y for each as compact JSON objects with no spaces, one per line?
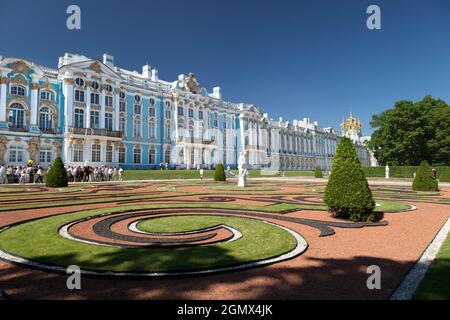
{"x":94,"y":174}
{"x":35,"y":174}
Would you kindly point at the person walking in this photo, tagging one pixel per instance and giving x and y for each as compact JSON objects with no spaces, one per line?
{"x":201,"y":173}
{"x":120,"y":174}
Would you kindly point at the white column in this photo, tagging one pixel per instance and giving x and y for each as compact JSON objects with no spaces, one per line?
{"x":3,"y":91}
{"x":116,"y":110}
{"x":102,"y":108}
{"x":88,"y":106}
{"x":68,"y":102}
{"x":34,"y":102}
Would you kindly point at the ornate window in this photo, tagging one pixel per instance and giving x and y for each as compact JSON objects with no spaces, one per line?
{"x":78,"y":152}
{"x":200,"y":114}
{"x":79,"y":118}
{"x":108,"y":101}
{"x":167,"y":131}
{"x":16,"y":154}
{"x":216,"y":120}
{"x":95,"y":119}
{"x":191,"y":113}
{"x":47,"y":95}
{"x":79,"y":82}
{"x":122,"y":106}
{"x":122,"y":153}
{"x":95,"y":85}
{"x":109,"y":153}
{"x":167,"y":155}
{"x":137,"y":108}
{"x":168,"y":114}
{"x":79,"y":95}
{"x":137,"y":127}
{"x":151,"y":156}
{"x":122,"y":124}
{"x":45,"y":119}
{"x":109,"y":121}
{"x":137,"y":98}
{"x":151,"y":130}
{"x":151,"y":101}
{"x":168,"y":104}
{"x":18,"y":90}
{"x":180,"y":111}
{"x":96,"y":153}
{"x":137,"y":155}
{"x":17,"y":116}
{"x":151,"y":111}
{"x":45,"y":155}
{"x":95,"y":98}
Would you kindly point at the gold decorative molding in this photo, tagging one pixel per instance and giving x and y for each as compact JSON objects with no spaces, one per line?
{"x":19,"y":66}
{"x":95,"y":66}
{"x":4,"y":80}
{"x":18,"y":79}
{"x":35,"y":86}
{"x":69,"y":81}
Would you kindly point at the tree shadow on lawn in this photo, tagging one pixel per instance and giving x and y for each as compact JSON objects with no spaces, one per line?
{"x":313,"y":278}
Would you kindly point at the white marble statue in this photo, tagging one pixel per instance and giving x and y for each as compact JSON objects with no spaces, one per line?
{"x":386,"y":171}
{"x":242,"y":171}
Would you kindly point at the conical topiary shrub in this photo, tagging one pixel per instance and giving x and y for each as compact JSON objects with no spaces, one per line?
{"x":219,"y":174}
{"x":347,"y":193}
{"x":57,"y":175}
{"x":424,"y":180}
{"x":318,"y":172}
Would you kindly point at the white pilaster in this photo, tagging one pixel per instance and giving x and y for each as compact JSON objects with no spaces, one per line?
{"x":68,"y":102}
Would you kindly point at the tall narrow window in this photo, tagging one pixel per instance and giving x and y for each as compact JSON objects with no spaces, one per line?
{"x":109,"y":121}
{"x":79,"y":95}
{"x":151,"y":130}
{"x":137,"y":127}
{"x":151,"y":156}
{"x":95,"y":98}
{"x":167,"y":156}
{"x":96,"y":153}
{"x":17,"y":116}
{"x":108,"y":101}
{"x":45,"y":119}
{"x":109,"y":153}
{"x":122,"y":152}
{"x":167,"y":131}
{"x":95,"y":119}
{"x":151,"y":111}
{"x":122,"y":106}
{"x":79,"y":118}
{"x":77,"y":152}
{"x":137,"y":155}
{"x":122,"y":124}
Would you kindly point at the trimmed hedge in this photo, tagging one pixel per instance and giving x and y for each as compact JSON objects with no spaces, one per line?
{"x":219,"y":174}
{"x":424,"y":180}
{"x":443,"y":173}
{"x":347,"y":193}
{"x":57,"y":175}
{"x":318,"y":172}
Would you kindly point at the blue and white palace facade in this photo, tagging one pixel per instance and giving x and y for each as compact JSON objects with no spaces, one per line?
{"x":94,"y":112}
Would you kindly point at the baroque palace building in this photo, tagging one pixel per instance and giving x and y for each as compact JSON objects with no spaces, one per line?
{"x":96,"y":113}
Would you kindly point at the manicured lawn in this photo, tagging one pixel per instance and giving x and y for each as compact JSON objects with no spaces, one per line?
{"x":194,"y":174}
{"x":436,"y":284}
{"x":260,"y":241}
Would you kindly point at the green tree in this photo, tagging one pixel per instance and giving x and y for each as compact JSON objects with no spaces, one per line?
{"x":424,"y":180}
{"x":219,"y":174}
{"x":347,"y":193}
{"x":318,"y":172}
{"x":412,"y":131}
{"x":57,"y":175}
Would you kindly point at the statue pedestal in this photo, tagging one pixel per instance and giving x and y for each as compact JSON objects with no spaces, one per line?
{"x":242,"y":181}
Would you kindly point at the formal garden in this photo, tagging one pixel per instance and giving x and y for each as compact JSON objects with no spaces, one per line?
{"x":299,"y":237}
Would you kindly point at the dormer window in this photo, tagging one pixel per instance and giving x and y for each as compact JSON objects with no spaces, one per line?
{"x":79,"y":82}
{"x":47,"y":96}
{"x":18,"y":90}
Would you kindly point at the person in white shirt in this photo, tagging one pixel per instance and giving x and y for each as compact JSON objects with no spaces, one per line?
{"x":120,"y":174}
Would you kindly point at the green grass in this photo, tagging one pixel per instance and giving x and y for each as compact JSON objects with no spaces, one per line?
{"x":385,"y":205}
{"x":194,"y":174}
{"x":260,"y":241}
{"x":436,"y":284}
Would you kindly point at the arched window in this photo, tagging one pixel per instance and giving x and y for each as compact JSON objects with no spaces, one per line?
{"x":191,"y":133}
{"x":151,"y":156}
{"x":151,"y":111}
{"x":18,"y":90}
{"x":45,"y":119}
{"x":137,"y":108}
{"x":167,"y":155}
{"x":151,"y":130}
{"x":137,"y":155}
{"x":180,"y":111}
{"x":137,"y":127}
{"x":47,"y":95}
{"x":168,"y":113}
{"x":167,"y":131}
{"x":17,"y":116}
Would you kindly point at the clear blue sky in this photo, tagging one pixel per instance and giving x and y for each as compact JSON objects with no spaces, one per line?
{"x":291,"y":58}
